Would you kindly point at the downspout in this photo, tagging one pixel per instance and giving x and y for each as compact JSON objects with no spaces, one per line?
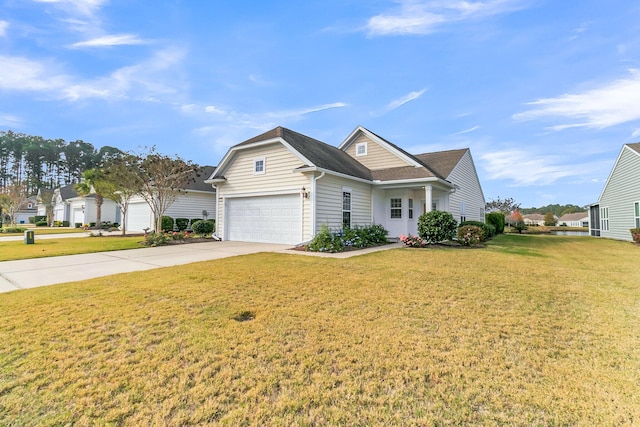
{"x":314,"y":203}
{"x":215,"y":233}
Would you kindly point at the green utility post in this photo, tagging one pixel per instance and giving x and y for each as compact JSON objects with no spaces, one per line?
{"x":29,"y":237}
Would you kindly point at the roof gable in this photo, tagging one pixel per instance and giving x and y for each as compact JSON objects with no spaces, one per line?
{"x":633,"y":149}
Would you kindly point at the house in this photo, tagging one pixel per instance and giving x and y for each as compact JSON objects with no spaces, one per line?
{"x":28,"y":210}
{"x":618,"y":207}
{"x":197,"y":200}
{"x":577,"y":219}
{"x":282,"y":186}
{"x":533,"y":219}
{"x":44,"y":198}
{"x":76,"y":210}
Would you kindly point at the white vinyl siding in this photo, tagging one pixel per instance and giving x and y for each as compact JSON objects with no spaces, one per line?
{"x":279,"y":178}
{"x":468,"y":200}
{"x":190,"y":205}
{"x":329,"y":191}
{"x":377,"y":156}
{"x":621,"y":191}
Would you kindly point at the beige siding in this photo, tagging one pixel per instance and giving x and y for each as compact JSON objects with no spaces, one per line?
{"x":621,"y":191}
{"x":377,"y":156}
{"x":279,"y":177}
{"x":469,"y":192}
{"x":329,"y":202}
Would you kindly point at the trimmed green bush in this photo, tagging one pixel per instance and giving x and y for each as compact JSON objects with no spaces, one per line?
{"x":65,"y":223}
{"x":497,"y":220}
{"x":437,"y":226}
{"x":13,"y":230}
{"x":39,"y":218}
{"x":203,"y":227}
{"x":167,"y":223}
{"x":325,"y":241}
{"x":488,"y":230}
{"x":182,"y":223}
{"x":41,"y":223}
{"x":469,"y":235}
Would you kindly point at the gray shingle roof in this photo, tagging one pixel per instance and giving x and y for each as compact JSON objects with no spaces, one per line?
{"x":635,"y":147}
{"x":68,"y":192}
{"x":443,"y":162}
{"x":197,"y":180}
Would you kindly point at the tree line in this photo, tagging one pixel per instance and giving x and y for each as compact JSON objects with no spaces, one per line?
{"x":34,"y":162}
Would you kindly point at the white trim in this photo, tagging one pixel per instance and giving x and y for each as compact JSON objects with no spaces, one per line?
{"x":261,"y":194}
{"x":615,"y":165}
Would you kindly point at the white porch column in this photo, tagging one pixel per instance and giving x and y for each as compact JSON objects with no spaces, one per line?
{"x":428,"y":198}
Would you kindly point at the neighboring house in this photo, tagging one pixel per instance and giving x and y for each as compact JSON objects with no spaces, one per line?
{"x":534,"y":219}
{"x":44,"y":199}
{"x":76,"y":209}
{"x":29,"y":210}
{"x":618,"y":207}
{"x":197,"y":200}
{"x":282,"y":186}
{"x":577,"y":219}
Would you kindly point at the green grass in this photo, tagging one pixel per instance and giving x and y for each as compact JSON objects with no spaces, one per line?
{"x":45,"y":230}
{"x":532,"y":330}
{"x":68,"y":246}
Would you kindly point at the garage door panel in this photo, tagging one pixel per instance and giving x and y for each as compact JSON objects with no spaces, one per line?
{"x":271,"y":219}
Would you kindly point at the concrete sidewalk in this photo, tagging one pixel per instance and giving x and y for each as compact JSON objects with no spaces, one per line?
{"x":32,"y":273}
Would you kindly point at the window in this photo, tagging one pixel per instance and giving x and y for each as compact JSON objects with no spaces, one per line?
{"x":463,"y":213}
{"x":636,"y":207}
{"x":258,"y":166}
{"x":30,"y":206}
{"x":410,"y":208}
{"x":396,"y":208}
{"x":604,"y":219}
{"x":361,"y":149}
{"x":346,"y":208}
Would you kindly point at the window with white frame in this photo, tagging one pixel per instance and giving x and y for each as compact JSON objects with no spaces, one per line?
{"x":636,"y":208}
{"x":463,"y":213}
{"x":410,"y":208}
{"x":259,"y":166}
{"x":346,"y":208}
{"x":361,"y":149}
{"x":396,"y":208}
{"x":604,"y":219}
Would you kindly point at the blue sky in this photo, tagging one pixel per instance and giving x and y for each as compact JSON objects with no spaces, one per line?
{"x":543,"y":92}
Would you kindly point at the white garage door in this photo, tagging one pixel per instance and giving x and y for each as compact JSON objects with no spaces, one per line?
{"x":78,"y":217}
{"x":139,"y":217}
{"x":268,"y":219}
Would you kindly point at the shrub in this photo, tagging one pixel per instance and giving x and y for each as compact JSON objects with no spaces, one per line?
{"x":488,"y":230}
{"x":39,"y":218}
{"x":32,"y":220}
{"x":182,"y":223}
{"x":203,"y":227}
{"x":497,"y":220}
{"x":41,"y":223}
{"x":436,"y":226}
{"x":469,"y":235}
{"x":167,"y":223}
{"x":325,"y":241}
{"x":65,"y":223}
{"x":635,"y":234}
{"x":156,"y":239}
{"x":13,"y":229}
{"x":77,"y":224}
{"x":412,"y":241}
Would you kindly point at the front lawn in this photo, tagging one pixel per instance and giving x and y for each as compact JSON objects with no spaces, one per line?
{"x":68,"y":246}
{"x":531,"y":330}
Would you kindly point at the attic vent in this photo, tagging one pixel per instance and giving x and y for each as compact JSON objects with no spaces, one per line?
{"x":361,"y":149}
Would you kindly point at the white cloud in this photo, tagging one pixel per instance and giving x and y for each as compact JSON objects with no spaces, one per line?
{"x":81,"y":7}
{"x":462,"y":132}
{"x":110,"y":40}
{"x":9,"y":120}
{"x":213,"y":109}
{"x":609,"y":105}
{"x":403,"y":100}
{"x":3,"y":28}
{"x":304,"y":111}
{"x":524,"y":168}
{"x":424,"y":17}
{"x":145,"y":81}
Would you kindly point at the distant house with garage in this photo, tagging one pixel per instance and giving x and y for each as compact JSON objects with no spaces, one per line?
{"x":533,"y":219}
{"x":618,"y":207}
{"x":75,"y":210}
{"x":282,"y":186}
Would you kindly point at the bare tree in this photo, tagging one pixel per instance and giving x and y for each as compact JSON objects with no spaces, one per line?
{"x":12,"y":199}
{"x":125,"y":182}
{"x":499,"y":205}
{"x":163,"y":179}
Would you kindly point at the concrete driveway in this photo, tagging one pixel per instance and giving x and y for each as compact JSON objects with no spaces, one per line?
{"x":31,"y":273}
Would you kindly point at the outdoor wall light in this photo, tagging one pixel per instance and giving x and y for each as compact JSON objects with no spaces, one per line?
{"x":304,"y":193}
